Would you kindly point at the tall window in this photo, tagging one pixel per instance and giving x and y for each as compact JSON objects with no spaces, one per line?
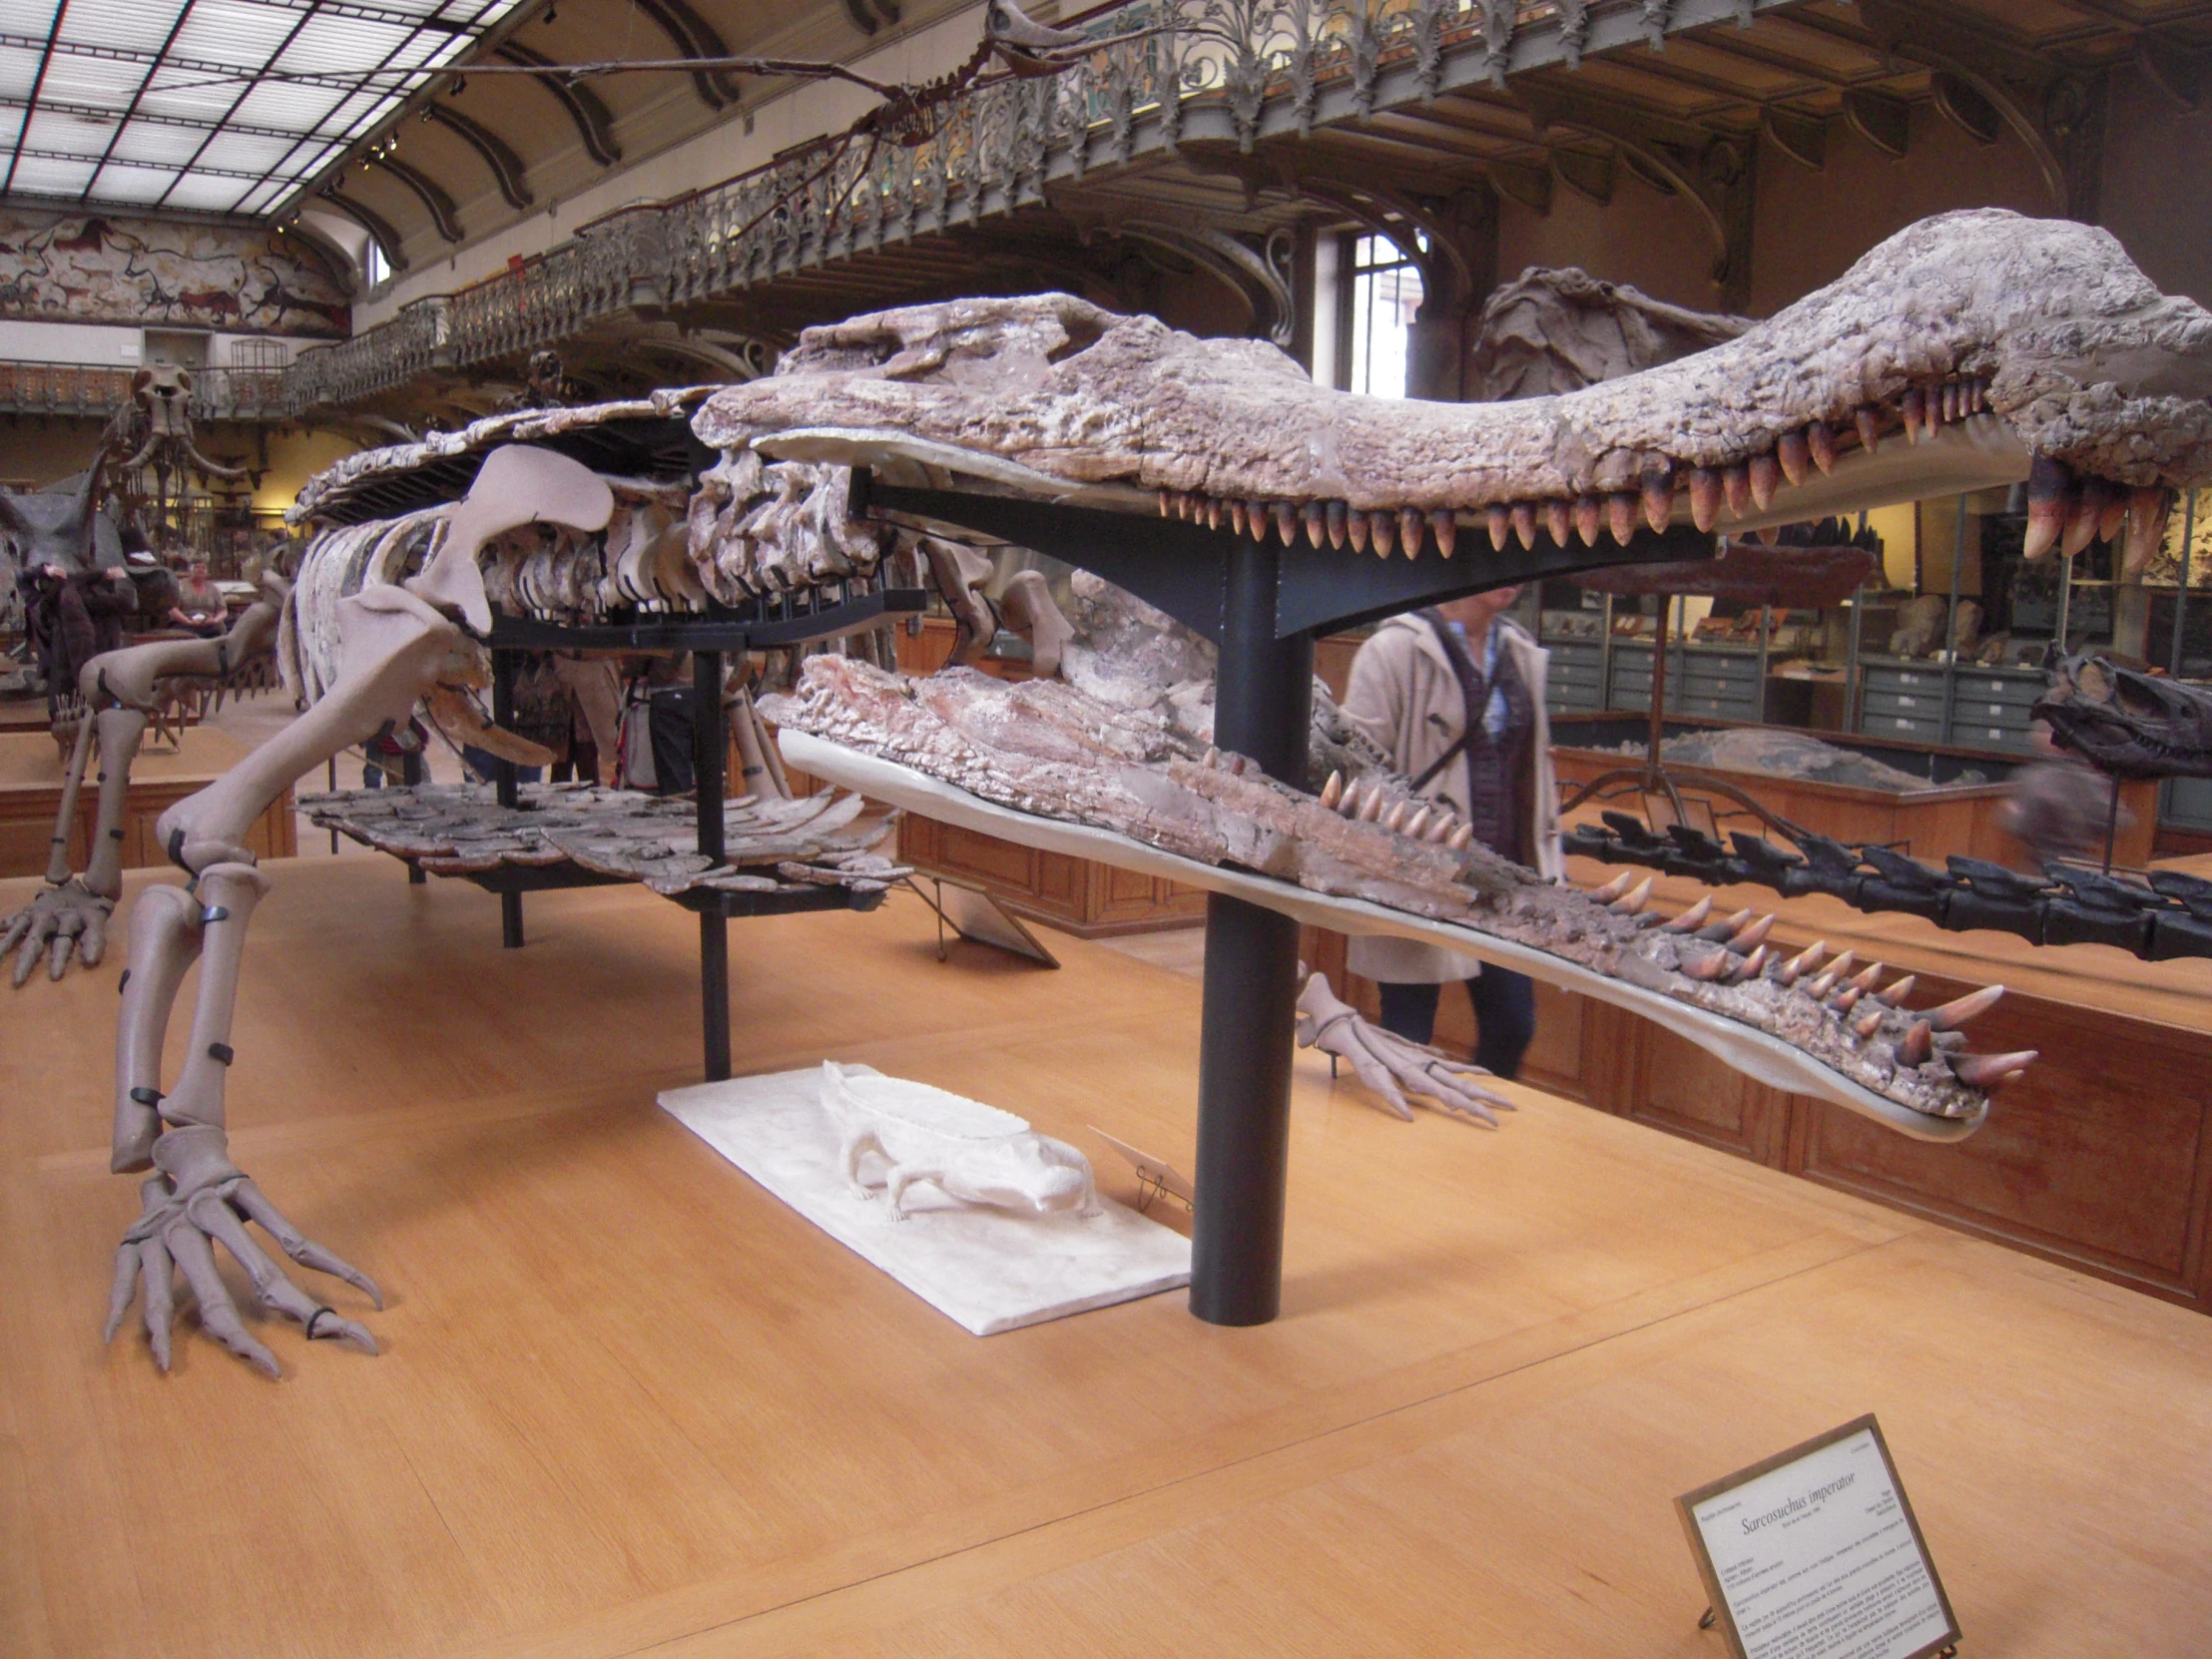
{"x":1385,"y":292}
{"x":374,"y":265}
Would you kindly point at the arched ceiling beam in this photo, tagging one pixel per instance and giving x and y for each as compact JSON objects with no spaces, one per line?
{"x":593,"y":124}
{"x":693,"y":37}
{"x":444,"y":215}
{"x":373,"y":222}
{"x":496,"y":152}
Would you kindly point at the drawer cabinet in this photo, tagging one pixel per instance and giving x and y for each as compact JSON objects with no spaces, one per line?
{"x":1989,"y":708}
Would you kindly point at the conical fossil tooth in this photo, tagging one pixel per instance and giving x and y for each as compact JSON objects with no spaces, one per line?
{"x":1721,"y":932}
{"x":1417,"y":824}
{"x":1356,"y":530}
{"x":1913,"y":406}
{"x":1868,"y":419}
{"x":1735,"y":487}
{"x":1589,"y":519}
{"x":1792,"y":455}
{"x":1828,"y":980}
{"x":1764,"y":474}
{"x":1803,"y":963}
{"x":1753,"y":935}
{"x":1613,"y":888}
{"x":1317,"y":523}
{"x":1524,"y":524}
{"x":1257,"y":514}
{"x":1820,"y":442}
{"x":1442,"y":828}
{"x":1214,"y":512}
{"x":1394,"y":818}
{"x":2049,"y":496}
{"x":1461,"y":838}
{"x":1446,"y":528}
{"x":1710,"y":967}
{"x":1690,"y":920}
{"x":1894,"y":996}
{"x":1371,"y":811}
{"x":1990,"y":1072}
{"x":1658,"y":497}
{"x":1339,"y":517}
{"x":1167,"y":507}
{"x":1747,"y":967}
{"x":1955,"y":406}
{"x":1633,"y":901}
{"x":1237,"y":765}
{"x":1213,"y":756}
{"x":1918,"y":1046}
{"x":1499,"y":519}
{"x":1867,"y":1023}
{"x":1621,"y":510}
{"x":1237,"y":517}
{"x":2146,"y":525}
{"x":1412,"y":521}
{"x":1866,"y":977}
{"x":1333,"y":790}
{"x":1951,"y":1015}
{"x":2113,"y":517}
{"x":1559,"y":521}
{"x":1847,"y":999}
{"x":1705,"y":498}
{"x":2083,"y":518}
{"x":1286,"y":522}
{"x":1382,"y":531}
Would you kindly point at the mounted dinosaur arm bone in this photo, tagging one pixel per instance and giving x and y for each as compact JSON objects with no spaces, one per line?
{"x":395,"y":642}
{"x":119,"y":693}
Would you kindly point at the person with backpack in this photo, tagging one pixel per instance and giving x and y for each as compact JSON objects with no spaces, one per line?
{"x":1455,"y":696}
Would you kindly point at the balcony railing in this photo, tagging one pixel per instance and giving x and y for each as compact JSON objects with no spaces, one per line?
{"x":97,"y":390}
{"x":1224,"y":71}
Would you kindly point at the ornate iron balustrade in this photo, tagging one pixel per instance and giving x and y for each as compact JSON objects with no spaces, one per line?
{"x":1221,"y":71}
{"x":97,"y":390}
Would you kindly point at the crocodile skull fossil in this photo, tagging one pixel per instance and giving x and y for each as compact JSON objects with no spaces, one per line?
{"x":1971,"y":349}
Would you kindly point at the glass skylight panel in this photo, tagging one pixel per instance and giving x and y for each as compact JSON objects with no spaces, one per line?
{"x":131,"y":24}
{"x":133,"y":184}
{"x":68,"y":135}
{"x":204,"y":132}
{"x":207,"y":194}
{"x":50,"y":176}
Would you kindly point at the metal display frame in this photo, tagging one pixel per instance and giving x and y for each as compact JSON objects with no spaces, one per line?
{"x":712,"y":640}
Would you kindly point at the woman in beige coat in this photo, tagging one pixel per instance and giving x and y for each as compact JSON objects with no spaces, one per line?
{"x":1412,"y":688}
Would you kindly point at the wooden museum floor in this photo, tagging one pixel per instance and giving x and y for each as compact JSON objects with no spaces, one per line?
{"x":628,"y":1404}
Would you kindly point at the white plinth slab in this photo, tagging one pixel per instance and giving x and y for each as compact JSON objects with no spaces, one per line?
{"x":988,"y":1270}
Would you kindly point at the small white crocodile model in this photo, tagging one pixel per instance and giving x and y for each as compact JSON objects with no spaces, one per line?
{"x":973,"y":1152}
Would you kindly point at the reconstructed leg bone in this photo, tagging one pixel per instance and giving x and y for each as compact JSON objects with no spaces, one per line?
{"x":1029,"y":611}
{"x":197,"y":1196}
{"x":960,"y":573}
{"x":1390,"y":1066}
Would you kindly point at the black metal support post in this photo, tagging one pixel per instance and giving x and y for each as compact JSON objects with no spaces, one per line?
{"x":710,"y":746}
{"x":503,"y":781}
{"x":1263,"y":708}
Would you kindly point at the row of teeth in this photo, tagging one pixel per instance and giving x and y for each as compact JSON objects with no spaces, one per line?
{"x":1424,"y":821}
{"x":2068,"y":514}
{"x":1716,"y":493}
{"x":1852,"y":997}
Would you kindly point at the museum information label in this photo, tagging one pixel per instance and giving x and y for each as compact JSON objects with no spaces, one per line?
{"x":1814,"y":1554}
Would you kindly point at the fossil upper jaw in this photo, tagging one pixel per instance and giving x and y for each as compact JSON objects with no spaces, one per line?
{"x":1970,"y":350}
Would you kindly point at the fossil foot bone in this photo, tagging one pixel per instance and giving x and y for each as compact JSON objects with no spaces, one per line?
{"x":64,"y":919}
{"x":1390,"y":1066}
{"x":199,"y":1198}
